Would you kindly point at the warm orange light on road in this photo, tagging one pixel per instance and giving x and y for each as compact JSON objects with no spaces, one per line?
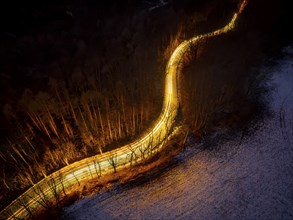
{"x":243,"y":4}
{"x":98,"y":165}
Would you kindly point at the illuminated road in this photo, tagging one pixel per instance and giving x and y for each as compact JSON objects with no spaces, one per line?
{"x":93,"y":167}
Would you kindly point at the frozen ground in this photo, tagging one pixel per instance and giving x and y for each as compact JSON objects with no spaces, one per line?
{"x":250,"y":178}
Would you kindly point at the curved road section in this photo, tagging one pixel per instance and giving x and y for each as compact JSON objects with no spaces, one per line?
{"x":40,"y":195}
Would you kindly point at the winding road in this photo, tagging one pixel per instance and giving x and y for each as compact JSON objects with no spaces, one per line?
{"x":146,"y":146}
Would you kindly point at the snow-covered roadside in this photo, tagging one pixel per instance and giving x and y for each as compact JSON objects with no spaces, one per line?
{"x":250,"y":178}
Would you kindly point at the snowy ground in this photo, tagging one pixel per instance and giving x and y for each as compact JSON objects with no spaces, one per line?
{"x":250,"y":178}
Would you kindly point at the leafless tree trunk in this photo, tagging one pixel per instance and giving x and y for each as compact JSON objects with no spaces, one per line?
{"x":90,"y":170}
{"x":76,"y":178}
{"x":53,"y":188}
{"x":113,"y":161}
{"x":61,"y":180}
{"x":24,"y":204}
{"x":133,"y":155}
{"x":43,"y":199}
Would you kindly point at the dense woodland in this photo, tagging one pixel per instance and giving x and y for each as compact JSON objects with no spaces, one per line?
{"x":85,"y":83}
{"x":91,"y":78}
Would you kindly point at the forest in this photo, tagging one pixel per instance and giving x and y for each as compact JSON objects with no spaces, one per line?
{"x":85,"y":79}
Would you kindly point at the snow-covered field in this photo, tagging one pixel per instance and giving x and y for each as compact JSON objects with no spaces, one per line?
{"x":249,"y":178}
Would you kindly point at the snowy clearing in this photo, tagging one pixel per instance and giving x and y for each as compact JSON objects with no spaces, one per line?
{"x":250,"y":178}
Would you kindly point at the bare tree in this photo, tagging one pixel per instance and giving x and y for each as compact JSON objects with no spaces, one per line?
{"x":54,"y":189}
{"x":24,"y":203}
{"x":75,"y":178}
{"x":99,"y":173}
{"x":39,"y":191}
{"x":113,"y":161}
{"x":61,"y":180}
{"x":133,"y":155}
{"x":90,"y":170}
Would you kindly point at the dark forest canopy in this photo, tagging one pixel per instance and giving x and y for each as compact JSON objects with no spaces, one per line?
{"x":19,"y":17}
{"x":22,"y":17}
{"x":84,"y":20}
